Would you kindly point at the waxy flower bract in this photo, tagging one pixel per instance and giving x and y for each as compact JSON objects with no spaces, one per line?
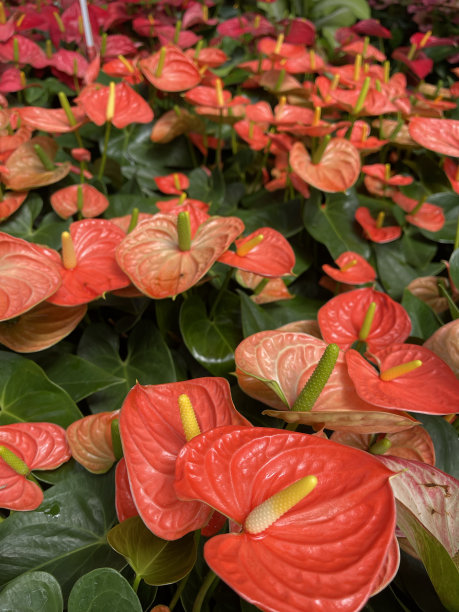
{"x":326,"y":552}
{"x":353,"y":269}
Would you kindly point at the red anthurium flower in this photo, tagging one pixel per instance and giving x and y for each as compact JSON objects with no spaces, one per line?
{"x":255,"y":135}
{"x":41,"y":327}
{"x":27,"y":276}
{"x":10,"y":80}
{"x":152,"y":258}
{"x":414,"y":443}
{"x":28,"y":52}
{"x":199,"y":211}
{"x":167,"y":34}
{"x":170,"y":70}
{"x":371,"y":27}
{"x":172,"y":124}
{"x":422,"y":214}
{"x":361,"y":138}
{"x":90,"y":441}
{"x":277,"y":49}
{"x":88,"y":266}
{"x":250,"y":23}
{"x":382,"y":172}
{"x":439,"y":135}
{"x":272,"y":291}
{"x":25,"y":447}
{"x":53,"y":120}
{"x":66,"y":201}
{"x":353,"y":269}
{"x":172,"y":183}
{"x":153,"y":434}
{"x":374,"y":229}
{"x":210,"y":57}
{"x":299,"y":31}
{"x":123,"y":68}
{"x":124,"y":503}
{"x":69,"y":62}
{"x":10,"y":203}
{"x":337,"y":170}
{"x":411,"y":378}
{"x":344,"y":319}
{"x":129,"y":106}
{"x":284,"y":562}
{"x":452,"y":172}
{"x":265,"y":251}
{"x":420,"y":64}
{"x":367,"y":51}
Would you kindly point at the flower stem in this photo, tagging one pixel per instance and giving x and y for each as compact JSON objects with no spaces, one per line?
{"x":205,"y":586}
{"x":178,"y":592}
{"x":103,"y":161}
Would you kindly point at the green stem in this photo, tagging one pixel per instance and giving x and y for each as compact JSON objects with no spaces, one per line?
{"x":205,"y":586}
{"x":135,"y":584}
{"x":45,"y":160}
{"x":456,"y":240}
{"x":178,"y":592}
{"x":116,"y":439}
{"x":317,"y":381}
{"x":103,"y":161}
{"x":317,"y":156}
{"x":134,"y":220}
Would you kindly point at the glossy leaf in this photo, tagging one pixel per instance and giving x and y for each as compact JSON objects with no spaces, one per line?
{"x":65,"y":201}
{"x":41,"y":327}
{"x":266,"y":568}
{"x":440,"y":135}
{"x":338,"y":169}
{"x":103,"y":589}
{"x":90,"y":441}
{"x":68,"y":532}
{"x":151,"y":257}
{"x":342,"y":317}
{"x":31,"y":592}
{"x":155,"y":560}
{"x":446,"y":443}
{"x":27,"y":276}
{"x":431,"y":388}
{"x":153,"y":435}
{"x":39,"y":400}
{"x":424,"y":320}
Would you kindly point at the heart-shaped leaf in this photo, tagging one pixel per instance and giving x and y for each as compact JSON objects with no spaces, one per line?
{"x":154,"y":560}
{"x":446,"y":443}
{"x":31,"y":592}
{"x":103,"y":589}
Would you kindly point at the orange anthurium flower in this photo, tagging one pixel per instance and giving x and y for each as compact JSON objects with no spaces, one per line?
{"x":346,"y":319}
{"x":53,"y":120}
{"x":337,"y":170}
{"x":414,"y":443}
{"x":383,"y":173}
{"x":152,"y":258}
{"x":278,"y":49}
{"x":281,"y":560}
{"x":361,"y":137}
{"x":25,"y":447}
{"x":170,"y":70}
{"x":367,"y":51}
{"x":439,"y":135}
{"x":88,"y":266}
{"x":452,"y":172}
{"x":422,"y":214}
{"x":265,"y":251}
{"x":41,"y":327}
{"x":154,"y":433}
{"x":90,"y":441}
{"x":272,"y":291}
{"x":374,"y":229}
{"x":10,"y":142}
{"x":121,"y":67}
{"x":11,"y":202}
{"x":198,"y":210}
{"x":173,"y":124}
{"x":124,"y":503}
{"x":411,"y":378}
{"x":66,"y":201}
{"x":353,"y":269}
{"x":27,"y":276}
{"x":173,"y":183}
{"x":129,"y":106}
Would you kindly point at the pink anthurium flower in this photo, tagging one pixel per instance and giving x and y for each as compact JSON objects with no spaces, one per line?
{"x":25,"y":447}
{"x":337,"y":170}
{"x":422,"y":214}
{"x":286,"y":556}
{"x":353,"y":269}
{"x":439,"y":135}
{"x":52,"y":120}
{"x":84,"y":198}
{"x":153,"y":434}
{"x":10,"y":203}
{"x":152,"y":258}
{"x":350,"y":317}
{"x":88,"y":266}
{"x":410,"y":378}
{"x":374,"y":229}
{"x":27,"y":276}
{"x":265,"y":251}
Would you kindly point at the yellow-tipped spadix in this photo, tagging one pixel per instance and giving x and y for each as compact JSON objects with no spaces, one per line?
{"x":245,"y":248}
{"x":400,"y":370}
{"x":274,"y":507}
{"x":69,"y":259}
{"x":188,"y":416}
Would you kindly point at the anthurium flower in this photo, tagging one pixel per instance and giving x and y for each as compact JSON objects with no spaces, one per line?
{"x":88,"y":266}
{"x":170,"y":70}
{"x":383,"y":173}
{"x":373,"y":228}
{"x":153,"y":434}
{"x":452,"y":172}
{"x":439,"y":135}
{"x":265,"y":251}
{"x":426,"y":289}
{"x":414,"y":443}
{"x":422,"y":214}
{"x":53,"y":120}
{"x":353,"y":269}
{"x":411,"y":378}
{"x":27,"y":276}
{"x":336,"y":494}
{"x":337,"y":170}
{"x":10,"y":203}
{"x":198,"y":210}
{"x":345,"y":319}
{"x":420,"y":64}
{"x":173,"y":124}
{"x":84,"y":198}
{"x":124,"y":503}
{"x":123,"y":68}
{"x":25,"y":447}
{"x":360,"y":136}
{"x":174,"y":183}
{"x":272,"y":290}
{"x":445,"y":343}
{"x":152,"y":258}
{"x":90,"y":441}
{"x":129,"y":106}
{"x":28,"y":52}
{"x":40,"y":328}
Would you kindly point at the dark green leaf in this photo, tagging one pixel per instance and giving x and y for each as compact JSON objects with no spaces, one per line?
{"x":103,"y":589}
{"x":454,"y":267}
{"x":156,"y":561}
{"x":212,"y":341}
{"x":446,"y":443}
{"x":285,"y":218}
{"x":418,"y":251}
{"x":333,"y":223}
{"x":37,"y":400}
{"x":65,"y":536}
{"x":32,"y":592}
{"x":425,"y":322}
